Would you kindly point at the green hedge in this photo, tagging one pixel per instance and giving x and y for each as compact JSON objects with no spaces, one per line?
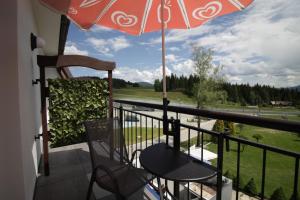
{"x":70,"y":103}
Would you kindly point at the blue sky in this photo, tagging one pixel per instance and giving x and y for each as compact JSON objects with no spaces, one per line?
{"x":259,"y":45}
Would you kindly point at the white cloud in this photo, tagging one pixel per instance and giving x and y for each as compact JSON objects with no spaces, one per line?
{"x":263,"y":41}
{"x":184,"y":68}
{"x":173,"y":49}
{"x":72,"y":49}
{"x":119,"y":43}
{"x":137,"y":75}
{"x":171,"y":58}
{"x":109,"y":46}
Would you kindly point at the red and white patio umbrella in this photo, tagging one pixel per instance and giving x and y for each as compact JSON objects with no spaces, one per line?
{"x":140,"y":16}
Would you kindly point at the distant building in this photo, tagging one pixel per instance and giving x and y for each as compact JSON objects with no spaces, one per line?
{"x":281,"y":103}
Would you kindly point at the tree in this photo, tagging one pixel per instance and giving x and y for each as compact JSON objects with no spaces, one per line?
{"x":242,"y":144}
{"x":278,"y":194}
{"x":257,"y":137}
{"x":208,"y":87}
{"x":218,"y":127}
{"x":157,"y":85}
{"x":231,"y":127}
{"x":250,"y":187}
{"x":241,"y":127}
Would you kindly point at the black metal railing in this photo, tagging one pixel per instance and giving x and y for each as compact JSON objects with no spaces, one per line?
{"x":142,"y":130}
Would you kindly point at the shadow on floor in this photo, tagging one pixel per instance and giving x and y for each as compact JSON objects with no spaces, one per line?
{"x":70,"y":170}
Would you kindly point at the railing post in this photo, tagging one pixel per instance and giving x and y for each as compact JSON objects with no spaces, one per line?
{"x":176,"y":142}
{"x":110,"y":97}
{"x":165,"y":116}
{"x":176,"y":132}
{"x":220,"y":165}
{"x":121,"y":134}
{"x":226,"y":132}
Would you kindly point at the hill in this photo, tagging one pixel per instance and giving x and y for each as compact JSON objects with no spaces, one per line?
{"x":145,"y":84}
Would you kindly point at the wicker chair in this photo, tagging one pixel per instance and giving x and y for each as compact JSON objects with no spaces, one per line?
{"x":112,"y":169}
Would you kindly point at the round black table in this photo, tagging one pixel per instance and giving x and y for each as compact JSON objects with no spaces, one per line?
{"x":163,"y":161}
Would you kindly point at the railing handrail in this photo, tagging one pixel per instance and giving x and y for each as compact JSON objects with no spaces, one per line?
{"x":222,"y":137}
{"x":284,"y":125}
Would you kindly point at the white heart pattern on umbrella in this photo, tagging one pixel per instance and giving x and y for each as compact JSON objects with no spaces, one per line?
{"x":89,"y":3}
{"x":167,"y":11}
{"x":122,"y":19}
{"x":210,"y":10}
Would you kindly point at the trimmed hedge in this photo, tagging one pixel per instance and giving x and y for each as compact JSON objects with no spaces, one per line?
{"x":70,"y":103}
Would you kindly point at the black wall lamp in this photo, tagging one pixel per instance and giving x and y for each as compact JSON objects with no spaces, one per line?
{"x":36,"y":42}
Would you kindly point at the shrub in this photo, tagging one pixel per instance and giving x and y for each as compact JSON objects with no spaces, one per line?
{"x":278,"y":194}
{"x":250,"y":187}
{"x":218,"y":127}
{"x":70,"y":103}
{"x":240,"y":127}
{"x":228,"y":174}
{"x":241,"y":183}
{"x":231,"y":127}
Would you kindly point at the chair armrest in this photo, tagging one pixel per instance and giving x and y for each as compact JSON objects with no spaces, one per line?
{"x":134,"y":154}
{"x":109,"y":173}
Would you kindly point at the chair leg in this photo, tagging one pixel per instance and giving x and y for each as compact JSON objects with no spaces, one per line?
{"x":91,"y":185}
{"x":160,"y":189}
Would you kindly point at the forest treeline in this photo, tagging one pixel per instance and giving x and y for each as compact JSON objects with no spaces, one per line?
{"x":120,"y":83}
{"x":237,"y":93}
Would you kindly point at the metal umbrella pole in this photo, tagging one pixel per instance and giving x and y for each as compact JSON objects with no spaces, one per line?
{"x":165,"y":100}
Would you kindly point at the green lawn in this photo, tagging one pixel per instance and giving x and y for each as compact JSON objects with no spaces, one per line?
{"x":180,"y":98}
{"x":279,"y":168}
{"x":150,"y":94}
{"x":284,"y":117}
{"x":141,"y":133}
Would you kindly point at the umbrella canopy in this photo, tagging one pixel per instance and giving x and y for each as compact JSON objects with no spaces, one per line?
{"x":139,"y":16}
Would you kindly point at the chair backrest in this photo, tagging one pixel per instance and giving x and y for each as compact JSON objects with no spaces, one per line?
{"x":104,"y":138}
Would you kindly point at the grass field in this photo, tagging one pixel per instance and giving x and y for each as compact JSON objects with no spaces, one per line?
{"x":279,"y":168}
{"x":150,"y":94}
{"x":133,"y":133}
{"x":180,"y":98}
{"x":285,"y":117}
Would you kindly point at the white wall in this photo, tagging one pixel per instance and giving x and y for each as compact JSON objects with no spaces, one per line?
{"x":19,"y":102}
{"x":11,"y":162}
{"x":29,"y":104}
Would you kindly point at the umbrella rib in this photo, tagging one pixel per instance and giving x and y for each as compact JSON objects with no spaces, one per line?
{"x":237,"y":4}
{"x":184,"y":13}
{"x":146,"y":14}
{"x":107,"y":7}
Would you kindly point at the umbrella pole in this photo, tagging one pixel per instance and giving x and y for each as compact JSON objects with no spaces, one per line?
{"x":165,"y":100}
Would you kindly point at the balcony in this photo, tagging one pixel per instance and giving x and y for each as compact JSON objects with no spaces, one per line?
{"x":70,"y":165}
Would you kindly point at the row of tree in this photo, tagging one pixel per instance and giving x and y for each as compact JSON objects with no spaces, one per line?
{"x":120,"y":83}
{"x":237,"y":93}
